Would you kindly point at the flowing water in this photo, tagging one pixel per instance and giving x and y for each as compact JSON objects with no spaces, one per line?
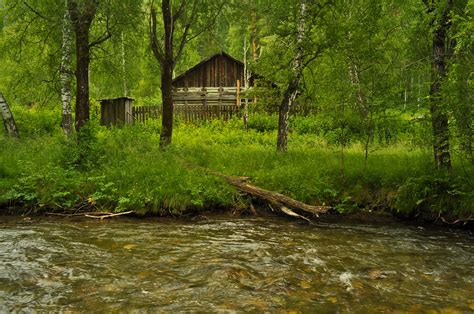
{"x":229,"y":264}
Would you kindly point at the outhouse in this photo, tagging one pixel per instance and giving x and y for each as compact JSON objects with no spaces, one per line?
{"x":116,"y":111}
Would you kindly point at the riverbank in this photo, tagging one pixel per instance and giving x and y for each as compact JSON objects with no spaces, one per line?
{"x":123,"y":169}
{"x":360,"y":217}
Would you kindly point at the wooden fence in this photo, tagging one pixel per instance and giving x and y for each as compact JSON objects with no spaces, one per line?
{"x":207,"y":96}
{"x":142,"y":113}
{"x":189,"y":113}
{"x":197,"y":104}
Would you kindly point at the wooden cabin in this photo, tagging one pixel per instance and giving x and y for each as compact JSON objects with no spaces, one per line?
{"x":217,"y":80}
{"x":213,"y":88}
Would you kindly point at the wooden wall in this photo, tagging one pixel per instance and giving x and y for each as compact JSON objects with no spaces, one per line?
{"x":116,"y":111}
{"x":218,"y":71}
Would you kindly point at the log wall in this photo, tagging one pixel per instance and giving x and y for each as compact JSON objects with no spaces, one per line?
{"x":219,"y":70}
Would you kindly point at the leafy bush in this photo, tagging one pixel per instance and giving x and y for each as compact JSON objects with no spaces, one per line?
{"x":263,"y":122}
{"x":37,"y":121}
{"x":436,"y":194}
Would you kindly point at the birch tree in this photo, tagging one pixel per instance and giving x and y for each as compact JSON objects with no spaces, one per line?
{"x":291,"y":91}
{"x":7,"y":117}
{"x":66,"y":73}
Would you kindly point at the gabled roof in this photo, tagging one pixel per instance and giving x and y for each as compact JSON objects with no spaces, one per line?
{"x":222,"y":53}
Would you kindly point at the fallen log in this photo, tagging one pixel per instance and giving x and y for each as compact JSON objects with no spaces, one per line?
{"x":276,"y":201}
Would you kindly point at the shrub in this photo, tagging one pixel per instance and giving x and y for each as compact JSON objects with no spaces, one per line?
{"x":438,"y":194}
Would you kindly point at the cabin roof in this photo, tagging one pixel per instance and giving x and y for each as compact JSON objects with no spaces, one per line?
{"x":222,"y":53}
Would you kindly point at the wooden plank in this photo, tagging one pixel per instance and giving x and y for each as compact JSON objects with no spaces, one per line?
{"x":202,"y":98}
{"x":238,"y":94}
{"x":208,"y":89}
{"x":190,"y":111}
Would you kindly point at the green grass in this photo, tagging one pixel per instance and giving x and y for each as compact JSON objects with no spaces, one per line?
{"x":123,"y":168}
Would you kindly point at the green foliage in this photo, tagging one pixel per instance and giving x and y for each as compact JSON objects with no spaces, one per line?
{"x":437,"y":194}
{"x":119,"y":169}
{"x":124,"y":169}
{"x":33,"y":178}
{"x":263,"y":123}
{"x":346,"y":206}
{"x":36,"y":121}
{"x":366,"y":79}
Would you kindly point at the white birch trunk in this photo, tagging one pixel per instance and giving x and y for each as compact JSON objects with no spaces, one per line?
{"x":293,"y":86}
{"x":7,"y":117}
{"x":66,"y":74}
{"x":355,"y":81}
{"x":246,"y":86}
{"x":364,"y":107}
{"x":124,"y":73}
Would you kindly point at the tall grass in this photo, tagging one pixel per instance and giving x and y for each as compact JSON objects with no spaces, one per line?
{"x":124,"y":168}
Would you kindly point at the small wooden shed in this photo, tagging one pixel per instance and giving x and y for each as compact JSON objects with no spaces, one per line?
{"x":217,"y":80}
{"x":116,"y":111}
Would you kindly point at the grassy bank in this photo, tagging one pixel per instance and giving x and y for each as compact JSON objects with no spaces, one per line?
{"x":123,"y":168}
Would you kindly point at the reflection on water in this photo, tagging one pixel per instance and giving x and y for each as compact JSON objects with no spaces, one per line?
{"x":227,"y":264}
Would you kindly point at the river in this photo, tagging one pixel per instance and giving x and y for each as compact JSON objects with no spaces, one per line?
{"x":227,"y":264}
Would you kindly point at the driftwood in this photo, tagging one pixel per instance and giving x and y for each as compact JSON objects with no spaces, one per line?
{"x":79,"y":214}
{"x":101,"y":217}
{"x":276,"y":201}
{"x":457,"y":221}
{"x":96,"y":215}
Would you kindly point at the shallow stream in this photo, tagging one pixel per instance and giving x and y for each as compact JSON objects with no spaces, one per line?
{"x":233,"y":264}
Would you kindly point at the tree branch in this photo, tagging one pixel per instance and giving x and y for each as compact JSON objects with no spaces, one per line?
{"x":73,"y":12}
{"x":153,"y":38}
{"x":184,"y":36}
{"x":180,"y":10}
{"x":104,"y":37}
{"x":212,"y":22}
{"x":35,"y":11}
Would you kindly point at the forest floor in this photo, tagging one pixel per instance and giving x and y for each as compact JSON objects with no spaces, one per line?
{"x":123,"y":169}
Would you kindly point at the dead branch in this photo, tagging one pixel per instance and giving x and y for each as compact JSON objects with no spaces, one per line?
{"x":457,"y":221}
{"x":77,"y":214}
{"x":101,"y":217}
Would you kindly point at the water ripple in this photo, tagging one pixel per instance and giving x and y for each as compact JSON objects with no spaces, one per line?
{"x":225,"y":265}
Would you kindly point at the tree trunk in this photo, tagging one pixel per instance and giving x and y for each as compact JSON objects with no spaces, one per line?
{"x":284,"y":114}
{"x":464,"y":114}
{"x":439,"y":117}
{"x":245,"y":108}
{"x":7,"y":117}
{"x":363,"y":106}
{"x":82,"y":21}
{"x":254,"y":43}
{"x":292,"y":89}
{"x":167,"y":100}
{"x":167,"y":77}
{"x":82,"y":78}
{"x":124,"y":72}
{"x":66,"y":75}
{"x":166,"y":55}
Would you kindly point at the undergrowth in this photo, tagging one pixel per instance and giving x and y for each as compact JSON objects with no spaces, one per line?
{"x":124,"y":169}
